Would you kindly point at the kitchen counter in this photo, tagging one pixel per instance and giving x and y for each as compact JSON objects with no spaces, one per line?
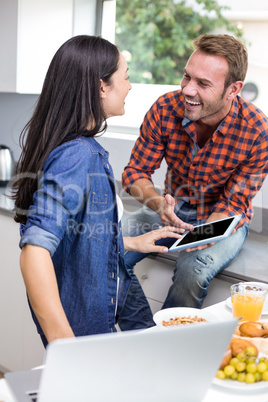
{"x":249,"y":265}
{"x":155,"y":272}
{"x":6,"y":204}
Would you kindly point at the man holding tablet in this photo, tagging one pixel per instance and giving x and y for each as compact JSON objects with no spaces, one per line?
{"x":216,"y":148}
{"x":206,"y":233}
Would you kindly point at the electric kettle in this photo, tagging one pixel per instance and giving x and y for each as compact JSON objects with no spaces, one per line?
{"x":7,"y":165}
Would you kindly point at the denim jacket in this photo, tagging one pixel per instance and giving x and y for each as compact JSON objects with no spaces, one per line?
{"x":74,"y":216}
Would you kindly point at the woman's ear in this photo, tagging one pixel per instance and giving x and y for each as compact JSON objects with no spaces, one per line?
{"x":234,"y":89}
{"x":102,"y":89}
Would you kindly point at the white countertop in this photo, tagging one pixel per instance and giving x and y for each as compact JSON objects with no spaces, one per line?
{"x":5,"y":394}
{"x":214,"y":393}
{"x":6,"y":204}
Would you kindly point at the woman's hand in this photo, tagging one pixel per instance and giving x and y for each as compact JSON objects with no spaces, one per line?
{"x":146,"y":242}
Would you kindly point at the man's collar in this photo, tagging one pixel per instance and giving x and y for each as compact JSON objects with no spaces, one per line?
{"x":228,"y":122}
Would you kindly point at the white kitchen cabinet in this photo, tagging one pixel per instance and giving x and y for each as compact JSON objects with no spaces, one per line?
{"x":20,"y":345}
{"x":155,"y":277}
{"x":31,"y":31}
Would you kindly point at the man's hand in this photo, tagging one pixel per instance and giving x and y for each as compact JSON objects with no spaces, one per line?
{"x":144,"y":191}
{"x":168,"y":216}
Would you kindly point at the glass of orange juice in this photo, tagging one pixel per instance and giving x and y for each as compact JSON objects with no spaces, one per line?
{"x":247,"y":301}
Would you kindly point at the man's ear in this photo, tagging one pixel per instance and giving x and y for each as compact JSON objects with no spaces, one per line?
{"x":234,"y":89}
{"x":103,"y":87}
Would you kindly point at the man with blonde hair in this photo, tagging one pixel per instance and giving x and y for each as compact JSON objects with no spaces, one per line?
{"x":215,"y":145}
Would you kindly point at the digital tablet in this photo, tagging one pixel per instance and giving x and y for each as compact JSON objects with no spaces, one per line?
{"x":206,"y":233}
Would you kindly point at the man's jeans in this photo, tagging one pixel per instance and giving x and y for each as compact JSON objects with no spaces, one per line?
{"x":193,"y":272}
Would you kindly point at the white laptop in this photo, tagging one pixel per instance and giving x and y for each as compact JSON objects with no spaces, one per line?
{"x":159,"y":364}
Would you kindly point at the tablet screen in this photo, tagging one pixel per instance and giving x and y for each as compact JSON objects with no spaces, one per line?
{"x":207,"y":231}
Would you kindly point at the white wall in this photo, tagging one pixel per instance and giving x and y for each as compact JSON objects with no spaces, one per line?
{"x":253,"y":17}
{"x":15,"y":111}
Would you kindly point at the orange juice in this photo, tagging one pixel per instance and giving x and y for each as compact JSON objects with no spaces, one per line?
{"x":249,"y":307}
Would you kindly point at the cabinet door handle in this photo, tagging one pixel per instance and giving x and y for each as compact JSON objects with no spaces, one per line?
{"x":145,"y":276}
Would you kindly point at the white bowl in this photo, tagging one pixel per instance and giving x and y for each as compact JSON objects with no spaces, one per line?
{"x":174,"y":312}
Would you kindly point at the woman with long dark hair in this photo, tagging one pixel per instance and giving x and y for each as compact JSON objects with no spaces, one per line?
{"x":65,"y":200}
